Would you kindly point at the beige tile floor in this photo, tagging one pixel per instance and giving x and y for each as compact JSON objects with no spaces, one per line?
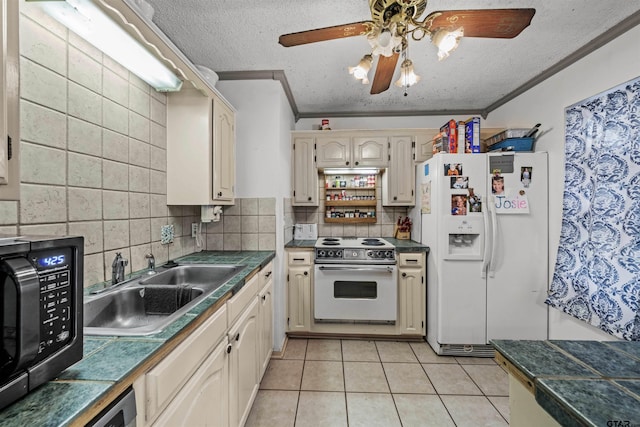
{"x":324,"y":382}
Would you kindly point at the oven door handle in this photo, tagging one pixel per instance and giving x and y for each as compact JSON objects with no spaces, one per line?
{"x":327,"y":268}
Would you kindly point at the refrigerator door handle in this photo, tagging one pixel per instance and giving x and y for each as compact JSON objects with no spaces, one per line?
{"x":494,"y":237}
{"x":487,"y":240}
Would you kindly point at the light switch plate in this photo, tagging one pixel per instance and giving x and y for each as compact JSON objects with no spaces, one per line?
{"x":166,"y":234}
{"x":194,"y":229}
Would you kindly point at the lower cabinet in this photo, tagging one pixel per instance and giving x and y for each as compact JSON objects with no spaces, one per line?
{"x":212,"y":377}
{"x":411,"y":293}
{"x":204,"y":400}
{"x":299,"y":282}
{"x":243,"y":365}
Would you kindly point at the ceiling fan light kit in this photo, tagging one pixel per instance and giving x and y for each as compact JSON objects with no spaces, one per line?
{"x":393,"y":21}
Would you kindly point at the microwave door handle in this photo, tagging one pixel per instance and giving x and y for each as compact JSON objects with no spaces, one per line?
{"x":25,"y":278}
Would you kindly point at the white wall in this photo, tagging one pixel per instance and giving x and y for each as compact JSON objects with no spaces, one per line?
{"x":263,"y":163}
{"x":609,"y":66}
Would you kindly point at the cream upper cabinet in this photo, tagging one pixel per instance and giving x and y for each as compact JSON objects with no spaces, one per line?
{"x":398,"y":181}
{"x":224,"y":165}
{"x":9,"y":102}
{"x":370,"y":151}
{"x":333,"y":152}
{"x":352,"y":151}
{"x":200,"y":150}
{"x":305,"y":173}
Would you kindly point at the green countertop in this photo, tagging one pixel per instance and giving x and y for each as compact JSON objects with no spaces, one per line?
{"x":402,"y":246}
{"x":581,"y":383}
{"x":109,"y":360}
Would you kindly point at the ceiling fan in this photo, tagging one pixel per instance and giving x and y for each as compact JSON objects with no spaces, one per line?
{"x":394,"y":21}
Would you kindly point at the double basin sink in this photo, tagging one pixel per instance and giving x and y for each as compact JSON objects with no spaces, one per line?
{"x":147,"y":304}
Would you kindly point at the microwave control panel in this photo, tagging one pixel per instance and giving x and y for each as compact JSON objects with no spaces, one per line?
{"x":54,"y":273}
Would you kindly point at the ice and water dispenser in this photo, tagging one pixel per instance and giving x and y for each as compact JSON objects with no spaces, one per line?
{"x":465,"y":238}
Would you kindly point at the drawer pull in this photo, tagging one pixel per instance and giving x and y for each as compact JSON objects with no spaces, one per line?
{"x":268,"y":274}
{"x":412,"y":260}
{"x":238,"y":337}
{"x":229,"y":349}
{"x":298,"y":259}
{"x":264,"y":297}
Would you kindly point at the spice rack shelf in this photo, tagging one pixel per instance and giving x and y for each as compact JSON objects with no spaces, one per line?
{"x":351,"y":199}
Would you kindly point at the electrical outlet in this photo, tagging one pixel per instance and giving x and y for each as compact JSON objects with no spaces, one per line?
{"x":194,"y":229}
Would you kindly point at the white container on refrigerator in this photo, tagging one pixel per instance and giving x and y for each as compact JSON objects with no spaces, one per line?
{"x":487,"y":273}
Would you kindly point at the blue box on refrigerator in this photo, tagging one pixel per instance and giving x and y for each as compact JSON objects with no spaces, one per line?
{"x":513,"y":144}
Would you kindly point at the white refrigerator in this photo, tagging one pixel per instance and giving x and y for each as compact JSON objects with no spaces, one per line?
{"x":485,"y":219}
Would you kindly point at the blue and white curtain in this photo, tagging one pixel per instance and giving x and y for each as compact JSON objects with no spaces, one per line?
{"x":597,"y":273}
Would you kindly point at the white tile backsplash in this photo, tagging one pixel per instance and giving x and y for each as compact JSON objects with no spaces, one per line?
{"x":42,"y":204}
{"x":93,"y":235}
{"x":115,"y":175}
{"x":139,"y":101}
{"x":115,"y":87}
{"x":8,"y":212}
{"x":84,"y":137}
{"x":85,"y":70}
{"x":84,"y":204}
{"x":116,"y":234}
{"x":139,"y":205}
{"x":158,"y":111}
{"x":42,"y":125}
{"x":42,"y":165}
{"x":84,"y":104}
{"x":138,"y":179}
{"x":115,"y":117}
{"x":139,"y":127}
{"x":37,"y":44}
{"x":115,"y":204}
{"x":158,"y":182}
{"x":42,"y":86}
{"x":84,"y":171}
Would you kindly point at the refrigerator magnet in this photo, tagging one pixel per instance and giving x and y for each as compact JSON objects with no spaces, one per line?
{"x":497,"y":185}
{"x":452,"y":169}
{"x":459,"y":182}
{"x":475,"y":201}
{"x":458,"y":204}
{"x":525,"y":175}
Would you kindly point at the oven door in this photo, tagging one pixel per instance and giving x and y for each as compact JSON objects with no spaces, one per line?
{"x":348,"y":292}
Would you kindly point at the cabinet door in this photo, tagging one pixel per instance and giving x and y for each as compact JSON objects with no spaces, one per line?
{"x":204,"y":400}
{"x":333,"y":152}
{"x":371,"y":151}
{"x":223,"y":152}
{"x":305,"y":174}
{"x":265,"y":299}
{"x":412,"y":301}
{"x":299,"y":294}
{"x":243,"y":364}
{"x":399,"y":179}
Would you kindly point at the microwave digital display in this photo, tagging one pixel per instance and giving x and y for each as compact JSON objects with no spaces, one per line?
{"x":52,"y":261}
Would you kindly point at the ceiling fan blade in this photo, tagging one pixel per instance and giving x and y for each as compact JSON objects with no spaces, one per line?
{"x":494,"y":23}
{"x":384,"y":73}
{"x":327,"y":33}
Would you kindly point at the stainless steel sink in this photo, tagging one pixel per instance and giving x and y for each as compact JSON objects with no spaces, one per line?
{"x":146,"y":305}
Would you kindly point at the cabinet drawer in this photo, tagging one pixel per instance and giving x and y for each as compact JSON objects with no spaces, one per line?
{"x":410,"y":260}
{"x":167,"y":377}
{"x":300,"y":258}
{"x":266,"y":274}
{"x":237,"y":304}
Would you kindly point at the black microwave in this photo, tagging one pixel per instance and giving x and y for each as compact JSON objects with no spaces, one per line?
{"x":41,"y":286}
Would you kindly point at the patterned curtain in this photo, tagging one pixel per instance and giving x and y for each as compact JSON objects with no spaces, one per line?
{"x":597,"y":273}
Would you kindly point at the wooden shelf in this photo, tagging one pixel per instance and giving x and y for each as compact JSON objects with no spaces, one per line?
{"x":349,"y":188}
{"x":352,"y":220}
{"x":350,"y":203}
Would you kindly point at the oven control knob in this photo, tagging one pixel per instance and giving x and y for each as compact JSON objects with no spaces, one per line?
{"x":388,"y":254}
{"x":370,"y":254}
{"x":380,"y":254}
{"x":330,"y":253}
{"x":321,"y":253}
{"x":338,"y":254}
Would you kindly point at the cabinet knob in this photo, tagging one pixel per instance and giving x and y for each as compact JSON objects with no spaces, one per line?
{"x":264,"y":297}
{"x":220,"y":194}
{"x":395,"y":197}
{"x":347,"y":163}
{"x":306,"y":273}
{"x":357,"y":163}
{"x":309,"y":198}
{"x":229,"y":349}
{"x":404,"y":274}
{"x":238,"y":337}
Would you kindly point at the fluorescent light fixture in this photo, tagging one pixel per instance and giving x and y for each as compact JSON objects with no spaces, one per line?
{"x":85,"y":19}
{"x":351,"y":171}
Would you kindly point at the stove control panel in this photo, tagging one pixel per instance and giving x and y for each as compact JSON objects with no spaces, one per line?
{"x":355,"y":255}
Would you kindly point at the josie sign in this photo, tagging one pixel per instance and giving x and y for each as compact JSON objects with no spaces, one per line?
{"x":518,"y":204}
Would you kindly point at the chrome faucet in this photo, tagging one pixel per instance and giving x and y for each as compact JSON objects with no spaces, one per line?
{"x":151,"y":262}
{"x":117,"y":269}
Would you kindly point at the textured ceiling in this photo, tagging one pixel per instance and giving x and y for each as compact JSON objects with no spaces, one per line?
{"x":232,"y":36}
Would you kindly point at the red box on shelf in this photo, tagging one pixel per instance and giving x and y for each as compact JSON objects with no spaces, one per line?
{"x":450,"y":131}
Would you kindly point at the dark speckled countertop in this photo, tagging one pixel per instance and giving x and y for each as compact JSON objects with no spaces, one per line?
{"x":402,"y":246}
{"x":581,"y":383}
{"x":110,"y":360}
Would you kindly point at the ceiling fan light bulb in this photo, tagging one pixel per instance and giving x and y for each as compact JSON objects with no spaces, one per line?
{"x":361,"y":70}
{"x":446,"y":41}
{"x":408,"y":77}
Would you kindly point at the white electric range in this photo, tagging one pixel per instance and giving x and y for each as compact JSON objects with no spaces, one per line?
{"x":355,"y":279}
